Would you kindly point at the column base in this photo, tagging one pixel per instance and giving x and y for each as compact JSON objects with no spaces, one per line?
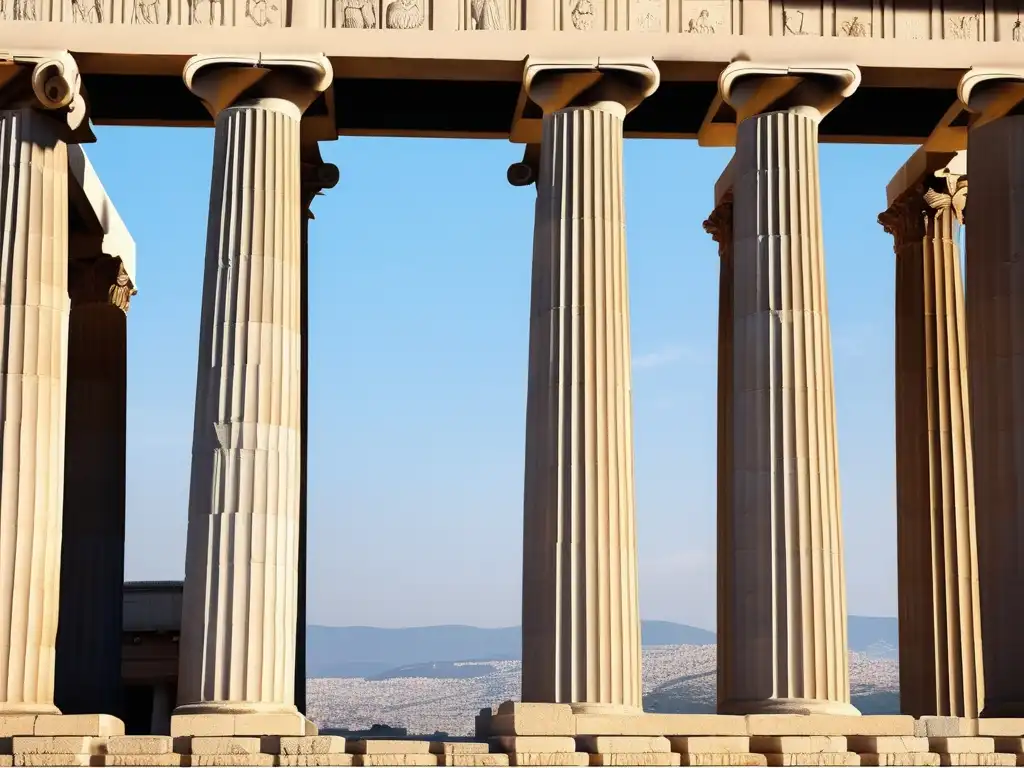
{"x":787,"y":707}
{"x":240,"y":718}
{"x":27,"y":709}
{"x":590,"y":708}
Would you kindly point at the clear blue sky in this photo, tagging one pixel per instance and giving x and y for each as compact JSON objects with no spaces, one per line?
{"x":419,"y":306}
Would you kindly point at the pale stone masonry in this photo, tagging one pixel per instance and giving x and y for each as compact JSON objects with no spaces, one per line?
{"x":941,"y":670}
{"x":581,"y":621}
{"x":783,"y":634}
{"x":239,"y":603}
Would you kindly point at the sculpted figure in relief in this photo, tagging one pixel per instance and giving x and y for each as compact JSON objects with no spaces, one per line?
{"x":205,"y":11}
{"x":1015,"y":32}
{"x":701,"y":25}
{"x":358,"y":14}
{"x":789,"y":18}
{"x":21,"y":10}
{"x":962,"y":27}
{"x":146,"y":12}
{"x":488,"y":14}
{"x":258,"y":12}
{"x":854,"y":28}
{"x":647,"y":17}
{"x":583,"y":15}
{"x":86,"y":12}
{"x":404,"y":14}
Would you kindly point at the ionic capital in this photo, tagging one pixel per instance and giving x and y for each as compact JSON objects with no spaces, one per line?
{"x":991,"y":93}
{"x":286,"y":83}
{"x":613,"y":84}
{"x":752,"y":89}
{"x":99,"y":281}
{"x":48,"y":81}
{"x":905,"y":218}
{"x":316,"y":177}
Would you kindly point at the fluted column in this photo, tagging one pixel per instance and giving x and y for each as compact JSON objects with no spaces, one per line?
{"x":995,"y":327}
{"x":581,"y":624}
{"x":88,"y":677}
{"x":719,"y":226}
{"x":34,"y":129}
{"x":785,"y":609}
{"x":241,"y":566}
{"x":939,"y":611}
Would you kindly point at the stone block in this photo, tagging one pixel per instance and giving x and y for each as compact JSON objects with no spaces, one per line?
{"x":303,"y":745}
{"x":389,"y":747}
{"x":830,"y":725}
{"x":623,"y":745}
{"x":460,"y":747}
{"x":936,"y":726}
{"x":899,"y":758}
{"x":705,"y":745}
{"x":143,"y":761}
{"x":978,"y":759}
{"x":661,"y":725}
{"x":277,"y":724}
{"x":814,"y":758}
{"x":723,"y":759}
{"x":78,"y":725}
{"x":549,"y":758}
{"x":54,"y":745}
{"x":778,"y":745}
{"x":229,"y":760}
{"x":536,"y":743}
{"x":887,"y":744}
{"x":17,"y":725}
{"x":962,"y":745}
{"x":37,"y":759}
{"x":1013,"y":744}
{"x":482,"y":724}
{"x":217,"y":745}
{"x":395,"y":759}
{"x":467,"y":760}
{"x":139,"y":745}
{"x":518,"y":719}
{"x":635,"y":758}
{"x":1000,"y":726}
{"x":6,"y":761}
{"x":202,"y":725}
{"x":316,"y":759}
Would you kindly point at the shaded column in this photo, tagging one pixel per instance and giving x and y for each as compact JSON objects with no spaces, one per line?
{"x":241,"y":566}
{"x":785,"y":606}
{"x":316,"y":176}
{"x":581,"y":625}
{"x":719,"y":226}
{"x":34,"y":129}
{"x":939,"y":606}
{"x":88,"y":676}
{"x":995,"y":327}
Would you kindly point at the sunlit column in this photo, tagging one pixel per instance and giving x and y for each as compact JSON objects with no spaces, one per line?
{"x":785,"y":606}
{"x":581,"y":624}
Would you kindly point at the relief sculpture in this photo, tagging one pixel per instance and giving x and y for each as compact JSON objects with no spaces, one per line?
{"x":646,"y":16}
{"x":358,"y":14}
{"x":404,"y":14}
{"x":146,"y":12}
{"x":258,"y":12}
{"x":701,"y":24}
{"x":583,"y":15}
{"x":86,"y":12}
{"x":205,"y":11}
{"x":1015,"y":32}
{"x":854,"y":28}
{"x":20,"y":10}
{"x":962,"y":27}
{"x":793,"y":23}
{"x":488,"y":14}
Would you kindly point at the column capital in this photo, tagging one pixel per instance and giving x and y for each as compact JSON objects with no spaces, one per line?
{"x":942,"y":192}
{"x":619,"y":84}
{"x":904,"y":219}
{"x":719,"y":223}
{"x":991,"y":92}
{"x":99,"y":281}
{"x":947,"y":193}
{"x":316,"y":177}
{"x":289,"y":83}
{"x":751,"y":88}
{"x":47,"y":81}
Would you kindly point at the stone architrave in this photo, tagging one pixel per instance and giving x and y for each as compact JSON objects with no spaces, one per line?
{"x":939,"y":606}
{"x":995,"y":327}
{"x":88,"y":676}
{"x":40,"y":107}
{"x":784,"y":613}
{"x":581,"y":626}
{"x":241,"y":567}
{"x":719,"y":226}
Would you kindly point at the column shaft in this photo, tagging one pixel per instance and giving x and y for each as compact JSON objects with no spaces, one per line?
{"x":995,"y":327}
{"x":239,"y":609}
{"x":300,"y":606}
{"x":940,"y":629}
{"x":33,"y":374}
{"x":88,"y":678}
{"x":785,"y":610}
{"x":581,"y":625}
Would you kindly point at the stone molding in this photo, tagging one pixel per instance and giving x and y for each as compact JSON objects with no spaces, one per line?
{"x":555,"y":85}
{"x":752,"y":88}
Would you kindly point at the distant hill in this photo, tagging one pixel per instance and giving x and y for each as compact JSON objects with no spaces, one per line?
{"x":370,"y":652}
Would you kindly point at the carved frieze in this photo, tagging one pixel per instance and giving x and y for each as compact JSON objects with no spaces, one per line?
{"x":19,"y":10}
{"x":404,"y":14}
{"x":705,"y":17}
{"x":216,"y":13}
{"x":489,"y":15}
{"x":648,"y":16}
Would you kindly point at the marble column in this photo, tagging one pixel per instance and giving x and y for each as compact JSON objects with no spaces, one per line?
{"x":35,"y":127}
{"x":241,"y":564}
{"x":995,"y":326}
{"x":581,"y":625}
{"x":939,"y":611}
{"x":88,"y":676}
{"x":719,"y":226}
{"x":784,"y":613}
